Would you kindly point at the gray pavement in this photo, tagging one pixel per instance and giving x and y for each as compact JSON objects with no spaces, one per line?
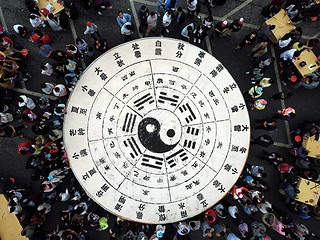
{"x":306,"y":102}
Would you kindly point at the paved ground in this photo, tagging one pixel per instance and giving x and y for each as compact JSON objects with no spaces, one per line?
{"x":304,"y":101}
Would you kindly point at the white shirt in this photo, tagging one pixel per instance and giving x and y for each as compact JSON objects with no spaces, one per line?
{"x":15,"y":28}
{"x":62,"y":90}
{"x":184,"y":31}
{"x":49,"y":70}
{"x":232,"y":211}
{"x":124,"y":30}
{"x":287,"y":54}
{"x":264,"y":207}
{"x":152,"y":20}
{"x":91,"y":29}
{"x":194,"y":4}
{"x":284,"y":43}
{"x":166,"y":20}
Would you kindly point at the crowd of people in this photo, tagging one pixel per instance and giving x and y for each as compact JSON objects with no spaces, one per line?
{"x":246,"y":206}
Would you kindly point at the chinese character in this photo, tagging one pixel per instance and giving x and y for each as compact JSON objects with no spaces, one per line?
{"x":184,"y":214}
{"x":83,"y":111}
{"x":189,"y":186}
{"x":175,"y":69}
{"x":180,"y":46}
{"x":227,"y":167}
{"x":122,"y":199}
{"x":219,"y":68}
{"x":72,"y":132}
{"x":172,"y":178}
{"x":243,"y":150}
{"x":179,"y":54}
{"x":105,"y":187}
{"x":103,"y":76}
{"x":197,"y":62}
{"x":135,"y":46}
{"x":162,"y":217}
{"x":157,"y":51}
{"x":75,"y":109}
{"x":83,"y":153}
{"x":161,"y":208}
{"x":137,"y":54}
{"x":120,"y":63}
{"x":142,"y":207}
{"x":85,"y":176}
{"x":81,"y":131}
{"x":234,"y":170}
{"x":234,"y":148}
{"x":184,"y":172}
{"x":216,"y":183}
{"x":99,"y":193}
{"x":200,"y":196}
{"x":222,"y":189}
{"x":234,"y":109}
{"x":98,"y":71}
{"x":118,"y":207}
{"x":98,"y":115}
{"x":139,"y":215}
{"x":201,"y":54}
{"x":213,"y":73}
{"x":92,"y":171}
{"x":116,"y":56}
{"x":181,"y":205}
{"x":226,"y":90}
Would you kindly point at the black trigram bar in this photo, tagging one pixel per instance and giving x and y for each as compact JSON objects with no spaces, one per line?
{"x":129,"y":122}
{"x":181,"y":154}
{"x":186,"y":107}
{"x":189,"y":144}
{"x":163,"y":97}
{"x":134,"y":146}
{"x":193,"y":131}
{"x":146,"y":98}
{"x":152,"y":161}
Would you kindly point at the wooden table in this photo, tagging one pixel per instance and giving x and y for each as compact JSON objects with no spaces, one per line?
{"x":280,"y":20}
{"x":43,"y":3}
{"x":10,"y":227}
{"x":309,"y":192}
{"x":312,"y":145}
{"x":310,"y":58}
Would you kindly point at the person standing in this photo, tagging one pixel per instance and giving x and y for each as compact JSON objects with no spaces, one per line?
{"x":180,"y":17}
{"x":166,"y":21}
{"x":221,"y":27}
{"x":54,"y":22}
{"x":187,"y":32}
{"x":143,"y":16}
{"x":192,"y":7}
{"x":152,"y":23}
{"x":123,"y":18}
{"x":160,"y":3}
{"x":235,"y":26}
{"x":247,"y":41}
{"x":126,"y":30}
{"x":92,"y":29}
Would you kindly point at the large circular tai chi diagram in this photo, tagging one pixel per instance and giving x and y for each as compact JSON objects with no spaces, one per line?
{"x":157,"y":130}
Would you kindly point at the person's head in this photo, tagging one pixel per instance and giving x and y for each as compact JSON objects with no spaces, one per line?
{"x":192,"y":224}
{"x":265,"y":43}
{"x":189,"y":28}
{"x":143,"y":8}
{"x":41,"y":46}
{"x":32,"y":16}
{"x":56,"y":89}
{"x":180,"y":9}
{"x":2,"y":133}
{"x":271,"y":59}
{"x":170,"y":12}
{"x":43,"y":67}
{"x":237,"y":215}
{"x":90,"y":48}
{"x":129,"y":27}
{"x":272,"y":27}
{"x":298,"y":31}
{"x":89,"y":24}
{"x":78,"y":41}
{"x":253,"y":34}
{"x":50,"y":15}
{"x":241,"y":20}
{"x":152,"y":14}
{"x":209,"y":19}
{"x":222,"y":233}
{"x":43,"y":85}
{"x":120,"y":14}
{"x":300,"y":45}
{"x":292,"y":115}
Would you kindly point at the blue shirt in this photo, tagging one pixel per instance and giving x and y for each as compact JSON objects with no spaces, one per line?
{"x":45,"y":52}
{"x":126,"y":18}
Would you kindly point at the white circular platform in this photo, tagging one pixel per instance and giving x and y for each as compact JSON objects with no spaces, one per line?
{"x":157,"y":130}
